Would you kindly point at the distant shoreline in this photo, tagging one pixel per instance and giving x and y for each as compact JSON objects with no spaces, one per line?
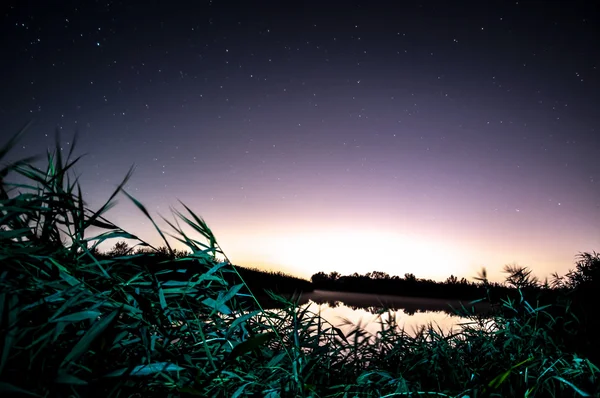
{"x":370,"y":300}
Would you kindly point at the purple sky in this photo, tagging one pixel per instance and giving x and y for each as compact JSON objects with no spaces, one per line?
{"x":425,"y":137}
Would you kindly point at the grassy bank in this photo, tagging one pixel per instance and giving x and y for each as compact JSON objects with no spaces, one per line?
{"x":175,"y":265}
{"x":75,"y":323}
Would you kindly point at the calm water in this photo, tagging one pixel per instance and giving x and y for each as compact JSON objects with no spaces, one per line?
{"x":411,"y":312}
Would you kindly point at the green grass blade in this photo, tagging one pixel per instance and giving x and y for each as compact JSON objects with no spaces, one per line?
{"x":147,"y":214}
{"x":89,"y":337}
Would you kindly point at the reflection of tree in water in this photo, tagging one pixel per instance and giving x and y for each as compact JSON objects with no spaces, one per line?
{"x":375,"y":310}
{"x":330,"y":303}
{"x":379,"y":309}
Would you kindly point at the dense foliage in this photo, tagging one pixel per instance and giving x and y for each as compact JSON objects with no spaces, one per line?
{"x":76,"y":323}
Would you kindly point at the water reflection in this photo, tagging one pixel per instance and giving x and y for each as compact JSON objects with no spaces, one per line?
{"x":346,"y":310}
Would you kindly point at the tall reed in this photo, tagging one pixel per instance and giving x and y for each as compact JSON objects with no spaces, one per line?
{"x":74,"y":323}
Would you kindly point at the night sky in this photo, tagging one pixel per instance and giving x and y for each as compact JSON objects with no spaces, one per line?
{"x":431,"y":137}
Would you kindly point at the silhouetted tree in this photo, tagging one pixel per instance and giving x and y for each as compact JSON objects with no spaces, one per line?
{"x":410,"y":277}
{"x":120,"y":249}
{"x":378,"y":275}
{"x":334,"y":275}
{"x":319,"y":277}
{"x":144,"y":250}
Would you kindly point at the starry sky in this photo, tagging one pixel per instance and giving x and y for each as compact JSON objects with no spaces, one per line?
{"x":431,"y":137}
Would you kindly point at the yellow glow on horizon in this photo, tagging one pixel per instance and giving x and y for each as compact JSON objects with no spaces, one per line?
{"x":302,"y":245}
{"x":363,"y":251}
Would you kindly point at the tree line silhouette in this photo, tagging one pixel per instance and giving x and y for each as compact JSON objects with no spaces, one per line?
{"x":378,"y":282}
{"x":571,"y":298}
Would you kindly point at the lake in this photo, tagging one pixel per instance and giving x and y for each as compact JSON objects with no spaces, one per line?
{"x":359,"y":308}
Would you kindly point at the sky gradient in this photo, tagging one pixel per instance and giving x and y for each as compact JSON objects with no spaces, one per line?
{"x":429,"y":137}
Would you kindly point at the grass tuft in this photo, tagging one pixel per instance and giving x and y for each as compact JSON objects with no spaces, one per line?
{"x":158,"y":322}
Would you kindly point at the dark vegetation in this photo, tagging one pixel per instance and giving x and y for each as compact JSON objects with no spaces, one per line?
{"x":75,"y":323}
{"x":378,"y":282}
{"x":175,"y":266}
{"x":571,"y":298}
